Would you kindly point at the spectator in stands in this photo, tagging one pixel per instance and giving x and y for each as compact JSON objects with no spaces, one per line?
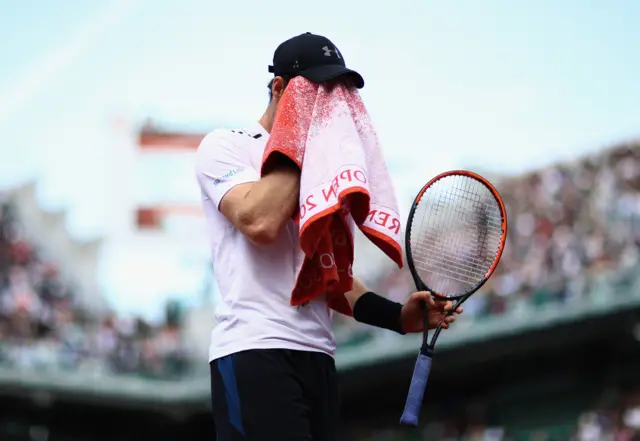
{"x":570,"y":223}
{"x":42,"y":325}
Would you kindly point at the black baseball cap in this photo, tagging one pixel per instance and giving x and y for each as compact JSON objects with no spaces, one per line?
{"x":313,"y":57}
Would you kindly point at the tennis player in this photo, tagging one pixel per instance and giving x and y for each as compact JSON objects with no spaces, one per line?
{"x":273,"y":376}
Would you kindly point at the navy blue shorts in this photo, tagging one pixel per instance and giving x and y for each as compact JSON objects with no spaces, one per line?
{"x":275,"y":395}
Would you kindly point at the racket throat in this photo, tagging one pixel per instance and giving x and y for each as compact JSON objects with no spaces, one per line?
{"x":426,"y":350}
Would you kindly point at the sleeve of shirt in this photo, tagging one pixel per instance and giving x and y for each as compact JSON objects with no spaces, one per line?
{"x":221,"y":165}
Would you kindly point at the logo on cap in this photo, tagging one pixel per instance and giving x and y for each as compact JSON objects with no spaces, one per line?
{"x":327,"y":51}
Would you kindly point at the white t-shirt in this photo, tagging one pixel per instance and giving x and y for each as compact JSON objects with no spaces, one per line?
{"x":255,"y":281}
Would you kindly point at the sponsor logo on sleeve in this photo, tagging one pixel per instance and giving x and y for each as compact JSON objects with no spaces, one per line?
{"x":228,"y":175}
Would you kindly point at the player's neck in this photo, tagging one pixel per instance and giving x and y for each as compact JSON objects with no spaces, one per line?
{"x":268,"y":117}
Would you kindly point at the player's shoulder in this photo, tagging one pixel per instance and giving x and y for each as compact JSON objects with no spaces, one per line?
{"x":222,"y":139}
{"x":219,"y":145}
{"x":217,"y":140}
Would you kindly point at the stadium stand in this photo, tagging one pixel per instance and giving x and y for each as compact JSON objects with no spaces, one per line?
{"x":570,"y":223}
{"x":43,"y":326}
{"x":573,"y":227}
{"x":548,"y":351}
{"x":574,"y":241}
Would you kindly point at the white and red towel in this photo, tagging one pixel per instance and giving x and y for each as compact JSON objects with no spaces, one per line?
{"x":344,"y":183}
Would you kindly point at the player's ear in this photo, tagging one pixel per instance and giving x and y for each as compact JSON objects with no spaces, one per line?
{"x":277,"y":87}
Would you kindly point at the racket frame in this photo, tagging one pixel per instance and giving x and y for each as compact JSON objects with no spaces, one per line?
{"x":420,"y":285}
{"x":427,"y":347}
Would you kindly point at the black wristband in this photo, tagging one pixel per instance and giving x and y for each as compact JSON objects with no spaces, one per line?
{"x":375,"y":310}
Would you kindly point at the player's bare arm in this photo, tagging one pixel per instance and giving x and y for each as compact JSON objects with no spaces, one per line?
{"x":259,"y":210}
{"x":375,"y":310}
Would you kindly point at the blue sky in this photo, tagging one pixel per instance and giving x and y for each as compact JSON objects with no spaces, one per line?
{"x":502,"y":85}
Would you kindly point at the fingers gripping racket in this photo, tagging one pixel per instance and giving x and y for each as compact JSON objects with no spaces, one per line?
{"x":455,"y":236}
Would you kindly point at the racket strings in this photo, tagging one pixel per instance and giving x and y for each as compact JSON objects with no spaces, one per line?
{"x":456,"y":234}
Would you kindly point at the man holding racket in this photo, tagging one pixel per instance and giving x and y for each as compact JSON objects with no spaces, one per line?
{"x":273,"y":376}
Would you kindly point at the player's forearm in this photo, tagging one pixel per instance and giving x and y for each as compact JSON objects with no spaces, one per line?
{"x":356,"y":292}
{"x":270,"y":204}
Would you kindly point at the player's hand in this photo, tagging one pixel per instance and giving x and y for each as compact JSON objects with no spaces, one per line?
{"x":411,"y":314}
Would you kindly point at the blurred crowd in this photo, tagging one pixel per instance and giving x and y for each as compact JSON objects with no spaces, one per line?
{"x":570,"y":225}
{"x":43,"y":325}
{"x":615,"y":418}
{"x":574,"y":230}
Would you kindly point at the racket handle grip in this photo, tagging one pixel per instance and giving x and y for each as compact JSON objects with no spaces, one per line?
{"x":416,"y":390}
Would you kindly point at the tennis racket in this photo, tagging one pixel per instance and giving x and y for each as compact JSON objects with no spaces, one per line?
{"x":455,"y":236}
